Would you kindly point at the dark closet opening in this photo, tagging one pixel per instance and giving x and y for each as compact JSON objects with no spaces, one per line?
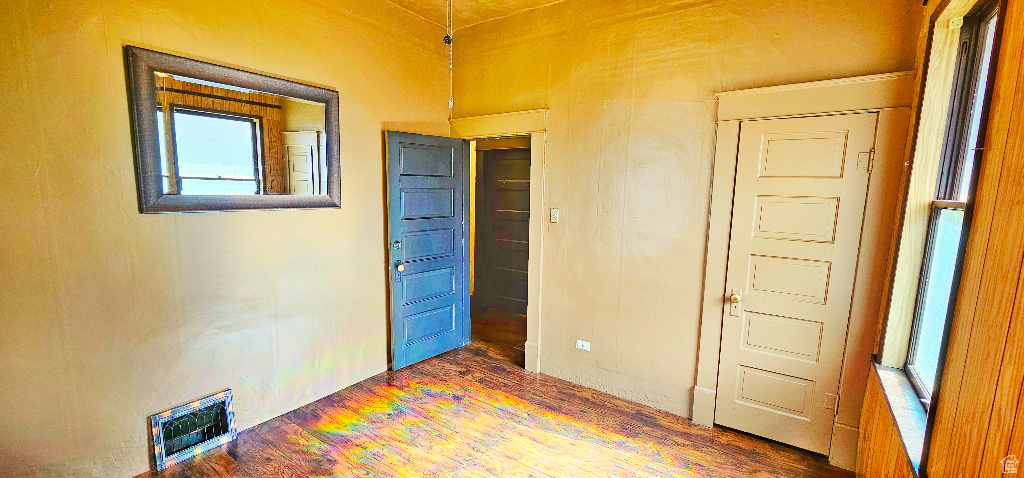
{"x":502,"y":244}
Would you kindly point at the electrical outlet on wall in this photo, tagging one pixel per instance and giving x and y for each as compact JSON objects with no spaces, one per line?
{"x":554,"y":214}
{"x":583,"y":345}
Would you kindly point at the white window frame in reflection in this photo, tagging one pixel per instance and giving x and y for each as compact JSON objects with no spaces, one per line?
{"x":167,"y":173}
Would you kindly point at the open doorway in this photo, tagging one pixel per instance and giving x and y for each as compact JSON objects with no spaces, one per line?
{"x":500,"y":245}
{"x":432,"y":243}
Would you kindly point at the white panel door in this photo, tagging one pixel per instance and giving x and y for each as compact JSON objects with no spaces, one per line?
{"x":798,"y":209}
{"x":301,"y":166}
{"x":305,"y":164}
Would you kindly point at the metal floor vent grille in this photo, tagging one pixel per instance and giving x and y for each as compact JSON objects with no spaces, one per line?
{"x":191,"y":429}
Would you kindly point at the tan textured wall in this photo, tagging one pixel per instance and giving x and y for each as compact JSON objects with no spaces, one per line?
{"x":630,"y":86}
{"x":107,"y":315}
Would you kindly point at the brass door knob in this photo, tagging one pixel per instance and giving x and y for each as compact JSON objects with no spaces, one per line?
{"x":735,"y":298}
{"x":400,"y":267}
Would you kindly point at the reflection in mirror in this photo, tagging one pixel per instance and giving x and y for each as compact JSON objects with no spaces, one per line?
{"x":218,"y":139}
{"x":210,"y":137}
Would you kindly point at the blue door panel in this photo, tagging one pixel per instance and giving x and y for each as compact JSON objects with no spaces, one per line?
{"x":428,"y":240}
{"x":426,"y":285}
{"x":427,"y":305}
{"x":433,"y":243}
{"x":429,"y":324}
{"x":422,"y":203}
{"x":427,"y":160}
{"x":428,"y":348}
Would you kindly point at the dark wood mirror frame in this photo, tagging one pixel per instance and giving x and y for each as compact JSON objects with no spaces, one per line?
{"x":141,"y":66}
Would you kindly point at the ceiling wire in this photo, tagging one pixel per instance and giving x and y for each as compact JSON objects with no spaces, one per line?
{"x":451,"y":69}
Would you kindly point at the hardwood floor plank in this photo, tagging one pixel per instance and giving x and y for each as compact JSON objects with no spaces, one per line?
{"x":257,"y":457}
{"x":341,"y":428}
{"x":304,"y":452}
{"x":558,"y":455}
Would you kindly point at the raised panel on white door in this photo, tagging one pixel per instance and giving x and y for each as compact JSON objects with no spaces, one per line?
{"x":761,"y":388}
{"x":301,"y":159}
{"x":800,"y":280}
{"x":794,"y":338}
{"x":811,"y":219}
{"x":815,"y":154}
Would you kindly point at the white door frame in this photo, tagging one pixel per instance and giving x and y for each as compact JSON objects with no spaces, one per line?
{"x":521,"y":123}
{"x":891,"y":95}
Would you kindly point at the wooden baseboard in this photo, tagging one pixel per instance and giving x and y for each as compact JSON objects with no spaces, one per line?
{"x":532,"y":357}
{"x":843,"y":452}
{"x":703,"y":406}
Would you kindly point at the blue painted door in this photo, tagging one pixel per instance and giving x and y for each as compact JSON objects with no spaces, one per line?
{"x":428,"y":245}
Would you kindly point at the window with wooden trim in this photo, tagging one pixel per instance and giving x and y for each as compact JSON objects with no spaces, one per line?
{"x":214,"y":152}
{"x":949,"y":221}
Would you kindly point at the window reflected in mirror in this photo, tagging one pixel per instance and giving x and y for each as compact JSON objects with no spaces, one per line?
{"x":217,"y":139}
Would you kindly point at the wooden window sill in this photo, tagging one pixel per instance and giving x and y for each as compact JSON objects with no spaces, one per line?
{"x":907,"y":411}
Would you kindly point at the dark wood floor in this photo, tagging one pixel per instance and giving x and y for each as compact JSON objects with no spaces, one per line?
{"x":474,"y":412}
{"x":501,"y":334}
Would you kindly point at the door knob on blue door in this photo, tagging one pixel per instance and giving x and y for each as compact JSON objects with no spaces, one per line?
{"x":399,"y":267}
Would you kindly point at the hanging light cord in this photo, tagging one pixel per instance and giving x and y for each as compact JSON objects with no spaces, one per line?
{"x":451,"y":66}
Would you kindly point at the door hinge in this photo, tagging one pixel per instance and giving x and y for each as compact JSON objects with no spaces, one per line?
{"x":832,"y":401}
{"x":866,"y":161}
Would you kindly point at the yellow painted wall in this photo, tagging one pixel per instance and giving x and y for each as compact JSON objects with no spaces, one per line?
{"x":630,"y":86}
{"x":301,"y":116}
{"x":107,"y":315}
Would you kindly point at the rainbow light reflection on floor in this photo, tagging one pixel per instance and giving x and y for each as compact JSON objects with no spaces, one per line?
{"x":470,"y":414}
{"x":420,"y":426}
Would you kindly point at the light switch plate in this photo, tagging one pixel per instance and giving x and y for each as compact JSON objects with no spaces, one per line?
{"x":554,"y":214}
{"x":583,"y":345}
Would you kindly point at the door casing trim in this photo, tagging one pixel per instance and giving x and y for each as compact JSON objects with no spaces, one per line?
{"x":521,"y":123}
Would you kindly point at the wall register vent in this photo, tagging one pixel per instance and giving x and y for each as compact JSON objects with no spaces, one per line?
{"x":191,"y":429}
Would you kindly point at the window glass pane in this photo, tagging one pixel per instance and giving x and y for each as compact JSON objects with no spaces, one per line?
{"x":988,"y":32}
{"x":214,"y":146}
{"x":217,"y":186}
{"x":941,"y":264}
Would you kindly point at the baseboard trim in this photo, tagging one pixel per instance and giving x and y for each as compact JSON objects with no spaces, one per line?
{"x":843,"y":452}
{"x":703,"y":412}
{"x":532,"y":357}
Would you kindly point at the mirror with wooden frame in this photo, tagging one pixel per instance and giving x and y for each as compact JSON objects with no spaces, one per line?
{"x":209,"y":137}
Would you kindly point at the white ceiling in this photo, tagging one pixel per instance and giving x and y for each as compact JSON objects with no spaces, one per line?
{"x":468,"y":12}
